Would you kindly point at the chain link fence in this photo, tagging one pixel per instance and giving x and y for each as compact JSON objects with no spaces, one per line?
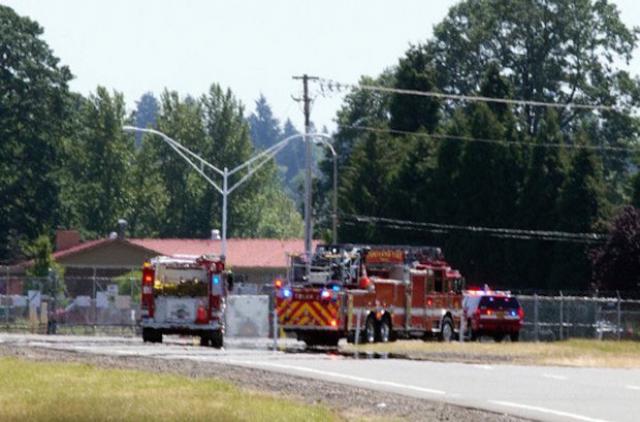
{"x":549,"y":318}
{"x":74,"y":304}
{"x":86,"y":301}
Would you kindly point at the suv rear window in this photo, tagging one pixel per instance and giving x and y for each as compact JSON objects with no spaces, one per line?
{"x":499,"y":302}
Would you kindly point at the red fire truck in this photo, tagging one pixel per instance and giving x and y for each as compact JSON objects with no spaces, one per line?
{"x":184,"y":295}
{"x":379,"y":293}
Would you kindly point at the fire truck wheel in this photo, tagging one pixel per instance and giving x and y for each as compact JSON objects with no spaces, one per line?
{"x":384,"y":333}
{"x":498,"y":338}
{"x":217,"y":339}
{"x":446,"y":333}
{"x":369,"y":334}
{"x":204,"y":340}
{"x":147,"y":335}
{"x":515,"y":336}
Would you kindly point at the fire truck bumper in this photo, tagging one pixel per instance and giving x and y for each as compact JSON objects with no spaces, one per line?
{"x":309,"y":328}
{"x":176,"y":328}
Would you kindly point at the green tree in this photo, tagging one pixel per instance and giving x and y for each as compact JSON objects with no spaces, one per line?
{"x":538,"y":203}
{"x":33,"y":109}
{"x":180,"y":120}
{"x":148,"y":211}
{"x":616,"y":264}
{"x":105,"y":184}
{"x":558,"y":50}
{"x":265,"y":128}
{"x":409,"y":112}
{"x":583,"y":186}
{"x":146,"y":114}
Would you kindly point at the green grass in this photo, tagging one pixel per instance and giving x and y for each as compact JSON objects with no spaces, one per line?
{"x":65,"y":391}
{"x":575,"y":352}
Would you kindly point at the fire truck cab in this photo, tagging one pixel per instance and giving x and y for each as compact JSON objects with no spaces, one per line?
{"x":184,"y":295}
{"x":371,"y":294}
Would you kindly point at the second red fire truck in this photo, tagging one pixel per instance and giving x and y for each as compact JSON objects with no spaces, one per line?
{"x":377,"y":293}
{"x":184,"y":295}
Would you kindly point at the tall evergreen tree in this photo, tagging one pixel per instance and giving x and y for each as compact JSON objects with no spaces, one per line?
{"x":146,"y":114}
{"x":582,"y":208}
{"x":409,"y":112}
{"x":265,"y":128}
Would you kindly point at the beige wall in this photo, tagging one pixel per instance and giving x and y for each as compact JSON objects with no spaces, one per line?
{"x":119,"y":255}
{"x":111,"y":254}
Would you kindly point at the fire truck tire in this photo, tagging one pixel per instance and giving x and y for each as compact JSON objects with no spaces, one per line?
{"x":515,"y":336}
{"x":369,"y":333}
{"x":217,"y":339}
{"x":384,"y":331}
{"x":204,"y":340}
{"x":498,"y":338}
{"x":313,"y":340}
{"x":146,"y":335}
{"x":149,"y":335}
{"x":446,"y":331}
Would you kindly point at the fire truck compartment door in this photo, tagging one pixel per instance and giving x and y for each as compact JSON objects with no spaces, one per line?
{"x":418,"y":298}
{"x":176,"y":309}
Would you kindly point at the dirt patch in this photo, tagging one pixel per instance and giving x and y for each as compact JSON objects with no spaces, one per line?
{"x":350,"y":402}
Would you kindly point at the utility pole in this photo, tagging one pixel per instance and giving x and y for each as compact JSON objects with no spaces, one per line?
{"x":308,"y":224}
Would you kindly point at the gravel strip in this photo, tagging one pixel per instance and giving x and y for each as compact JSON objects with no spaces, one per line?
{"x":350,"y":402}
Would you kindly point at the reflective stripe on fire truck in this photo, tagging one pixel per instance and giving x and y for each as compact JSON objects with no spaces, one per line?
{"x":307,"y":313}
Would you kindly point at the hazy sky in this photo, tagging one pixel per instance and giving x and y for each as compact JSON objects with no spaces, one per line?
{"x":252,"y":47}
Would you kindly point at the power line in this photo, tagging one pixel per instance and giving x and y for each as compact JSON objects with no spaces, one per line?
{"x":501,"y":232}
{"x":338,"y":86}
{"x":493,"y":141}
{"x":490,"y":141}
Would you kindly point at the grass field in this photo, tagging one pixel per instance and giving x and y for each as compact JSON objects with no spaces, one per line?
{"x":38,"y":391}
{"x":583,"y":353}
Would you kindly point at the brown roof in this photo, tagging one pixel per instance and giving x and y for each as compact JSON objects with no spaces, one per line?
{"x":248,"y":253}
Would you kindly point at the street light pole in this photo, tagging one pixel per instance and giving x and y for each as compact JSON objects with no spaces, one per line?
{"x":334,"y":213}
{"x":225,"y":194}
{"x":253,"y":164}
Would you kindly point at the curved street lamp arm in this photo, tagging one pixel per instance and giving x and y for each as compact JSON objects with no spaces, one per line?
{"x":269,"y":151}
{"x":265,"y":159}
{"x":175,"y":144}
{"x":177,"y":148}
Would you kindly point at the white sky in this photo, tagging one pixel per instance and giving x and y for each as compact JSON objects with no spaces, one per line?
{"x":251,"y":46}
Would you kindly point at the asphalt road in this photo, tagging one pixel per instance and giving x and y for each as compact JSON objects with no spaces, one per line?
{"x":541,"y":393}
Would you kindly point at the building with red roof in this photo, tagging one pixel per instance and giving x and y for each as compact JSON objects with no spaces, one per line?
{"x":256,"y":261}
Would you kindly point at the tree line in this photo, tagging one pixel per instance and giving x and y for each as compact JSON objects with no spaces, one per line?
{"x":66,"y":162}
{"x":408,"y":158}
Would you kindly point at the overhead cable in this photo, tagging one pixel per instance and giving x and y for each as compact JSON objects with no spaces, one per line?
{"x":492,"y":231}
{"x":330,"y":85}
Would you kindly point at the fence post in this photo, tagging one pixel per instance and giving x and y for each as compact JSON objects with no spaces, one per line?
{"x":561,"y":316}
{"x":7,"y":297}
{"x":619,"y":320}
{"x":535,"y":317}
{"x":275,"y":328}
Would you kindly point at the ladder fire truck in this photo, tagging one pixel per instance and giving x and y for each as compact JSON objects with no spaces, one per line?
{"x":379,"y":293}
{"x":184,"y":295}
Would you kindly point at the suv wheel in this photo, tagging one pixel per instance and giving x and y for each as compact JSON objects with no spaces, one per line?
{"x":446,"y":331}
{"x":217,"y":339}
{"x":369,"y":333}
{"x":384,"y":334}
